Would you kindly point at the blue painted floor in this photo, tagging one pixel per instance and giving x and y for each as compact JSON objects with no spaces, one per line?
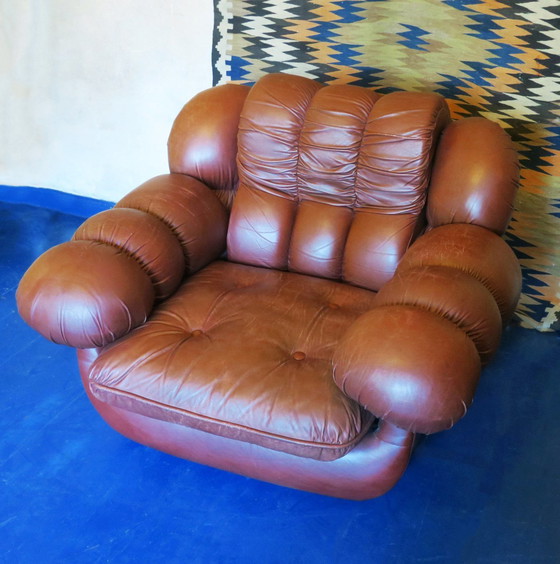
{"x":73,"y":491}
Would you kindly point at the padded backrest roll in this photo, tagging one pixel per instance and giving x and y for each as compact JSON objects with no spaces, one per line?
{"x":203,"y":139}
{"x":332,"y":179}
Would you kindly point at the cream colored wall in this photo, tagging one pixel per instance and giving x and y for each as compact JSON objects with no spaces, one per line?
{"x":89,"y":89}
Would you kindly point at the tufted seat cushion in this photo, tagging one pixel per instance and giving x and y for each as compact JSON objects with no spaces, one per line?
{"x":243,"y":352}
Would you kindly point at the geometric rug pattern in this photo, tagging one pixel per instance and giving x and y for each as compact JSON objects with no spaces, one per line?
{"x":497,"y":59}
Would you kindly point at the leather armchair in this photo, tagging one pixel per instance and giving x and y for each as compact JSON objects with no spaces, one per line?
{"x":319,"y":279}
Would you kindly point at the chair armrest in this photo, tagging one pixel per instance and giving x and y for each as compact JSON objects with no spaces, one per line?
{"x":84,"y":294}
{"x":415,"y":358}
{"x":96,"y":288}
{"x":409,"y":367}
{"x":190,"y":209}
{"x":476,"y":251}
{"x":475,"y":176}
{"x":203,"y":139}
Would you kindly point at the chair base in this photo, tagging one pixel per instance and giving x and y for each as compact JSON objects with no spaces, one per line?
{"x":369,"y":470}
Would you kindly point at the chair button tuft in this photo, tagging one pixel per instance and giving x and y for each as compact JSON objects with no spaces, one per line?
{"x":298,"y":355}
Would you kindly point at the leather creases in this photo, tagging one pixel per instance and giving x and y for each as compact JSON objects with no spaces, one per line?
{"x":246,"y":353}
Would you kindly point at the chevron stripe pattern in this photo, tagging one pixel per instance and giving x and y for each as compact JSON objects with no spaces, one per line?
{"x":497,"y":59}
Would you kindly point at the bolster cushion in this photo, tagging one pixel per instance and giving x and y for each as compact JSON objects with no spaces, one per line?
{"x":452,"y":294}
{"x":85,"y":294}
{"x":190,"y":209}
{"x":476,"y":251}
{"x":408,"y":366}
{"x":203,"y":139}
{"x":96,"y":288}
{"x":415,"y":358}
{"x":475,"y":176}
{"x":144,"y":237}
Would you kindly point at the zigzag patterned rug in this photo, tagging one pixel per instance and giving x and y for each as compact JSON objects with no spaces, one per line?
{"x":500,"y":60}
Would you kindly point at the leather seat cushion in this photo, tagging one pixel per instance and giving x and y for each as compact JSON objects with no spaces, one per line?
{"x":243,"y":352}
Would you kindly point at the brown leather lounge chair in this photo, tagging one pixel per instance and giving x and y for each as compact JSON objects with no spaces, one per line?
{"x":320,"y":278}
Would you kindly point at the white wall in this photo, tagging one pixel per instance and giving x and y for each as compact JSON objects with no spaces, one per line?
{"x":89,"y":89}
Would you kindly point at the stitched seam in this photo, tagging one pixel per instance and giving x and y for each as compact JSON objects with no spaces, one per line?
{"x":355,"y":194}
{"x":368,"y":419}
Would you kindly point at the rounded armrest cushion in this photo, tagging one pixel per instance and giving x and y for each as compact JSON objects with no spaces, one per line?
{"x":190,"y":209}
{"x":476,"y":251}
{"x":85,"y":294}
{"x":453,"y":295}
{"x":203,"y":139}
{"x":415,"y":358}
{"x":409,"y":367}
{"x":145,"y":238}
{"x":103,"y":283}
{"x":475,"y":176}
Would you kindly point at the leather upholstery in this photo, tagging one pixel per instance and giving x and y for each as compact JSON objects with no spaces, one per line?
{"x":60,"y":295}
{"x":370,"y":469}
{"x":143,"y":236}
{"x":484,"y":192}
{"x":452,"y":294}
{"x":477,"y":251}
{"x":422,"y":381}
{"x":203,"y":140}
{"x":332,"y":178}
{"x":256,"y":369}
{"x":320,"y":278}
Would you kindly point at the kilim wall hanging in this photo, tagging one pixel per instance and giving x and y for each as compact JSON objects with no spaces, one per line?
{"x":500,"y":60}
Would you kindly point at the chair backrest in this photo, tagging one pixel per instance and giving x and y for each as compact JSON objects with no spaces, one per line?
{"x":332,"y":179}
